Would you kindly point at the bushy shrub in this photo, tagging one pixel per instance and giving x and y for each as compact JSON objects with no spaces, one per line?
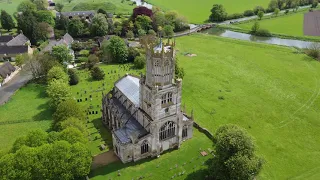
{"x":73,"y":77}
{"x":235,"y":16}
{"x":139,"y":62}
{"x":257,"y":9}
{"x":97,"y":73}
{"x":132,"y":53}
{"x":248,"y":13}
{"x":313,"y":51}
{"x":263,"y":32}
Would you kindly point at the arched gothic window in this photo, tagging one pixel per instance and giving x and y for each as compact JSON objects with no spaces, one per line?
{"x":166,"y":98}
{"x":185,"y":131}
{"x":167,"y":131}
{"x":166,"y":63}
{"x":144,"y":147}
{"x":157,"y":63}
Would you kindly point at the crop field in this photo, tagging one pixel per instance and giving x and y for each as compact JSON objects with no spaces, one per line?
{"x":199,"y":11}
{"x":271,"y":91}
{"x":27,"y":110}
{"x":113,"y":6}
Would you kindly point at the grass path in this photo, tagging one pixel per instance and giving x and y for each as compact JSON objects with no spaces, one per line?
{"x":269,"y":90}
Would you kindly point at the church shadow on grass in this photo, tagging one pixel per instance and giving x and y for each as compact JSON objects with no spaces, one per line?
{"x":201,"y":173}
{"x":118,"y":166}
{"x":104,"y":132}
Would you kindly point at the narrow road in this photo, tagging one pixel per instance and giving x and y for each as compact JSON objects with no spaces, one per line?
{"x":7,"y":90}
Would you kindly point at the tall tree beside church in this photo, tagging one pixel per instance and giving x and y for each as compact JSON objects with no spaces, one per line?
{"x":235,"y":155}
{"x":75,"y":27}
{"x":116,"y":49}
{"x":99,"y":25}
{"x":6,"y":21}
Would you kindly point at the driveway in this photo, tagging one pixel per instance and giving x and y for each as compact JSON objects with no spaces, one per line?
{"x":7,"y":90}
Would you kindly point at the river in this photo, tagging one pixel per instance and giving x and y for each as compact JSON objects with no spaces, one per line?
{"x":249,"y":37}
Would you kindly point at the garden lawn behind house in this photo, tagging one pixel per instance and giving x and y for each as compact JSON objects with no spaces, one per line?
{"x":27,"y":110}
{"x":189,"y":153}
{"x":199,"y":11}
{"x":291,"y":24}
{"x":112,"y":6}
{"x":89,"y":93}
{"x":9,"y":5}
{"x":271,"y":91}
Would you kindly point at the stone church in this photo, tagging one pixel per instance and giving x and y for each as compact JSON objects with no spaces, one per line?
{"x":144,"y":114}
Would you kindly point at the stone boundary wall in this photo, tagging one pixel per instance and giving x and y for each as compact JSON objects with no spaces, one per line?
{"x":203,"y":130}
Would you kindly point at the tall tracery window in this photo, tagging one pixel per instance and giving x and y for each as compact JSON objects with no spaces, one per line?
{"x":144,"y":147}
{"x":184,"y":131}
{"x":167,"y":131}
{"x":166,"y":98}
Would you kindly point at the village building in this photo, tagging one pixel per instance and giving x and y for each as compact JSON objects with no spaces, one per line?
{"x":11,"y":46}
{"x":7,"y":71}
{"x":144,"y":114}
{"x":80,"y":14}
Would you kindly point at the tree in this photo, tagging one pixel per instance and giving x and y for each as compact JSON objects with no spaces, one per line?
{"x":273,"y":4}
{"x":74,"y":123}
{"x":143,"y":22}
{"x":62,"y":22}
{"x":132,"y":53}
{"x":59,"y":7}
{"x":218,"y":13}
{"x":26,"y":6}
{"x":57,"y":73}
{"x":179,"y":71}
{"x":260,"y":14}
{"x":41,"y":31}
{"x":61,"y":53}
{"x":34,"y":138}
{"x":73,"y":77}
{"x":97,"y":73}
{"x":28,"y":24}
{"x":158,"y":19}
{"x":314,"y":4}
{"x":168,"y":31}
{"x":39,"y":64}
{"x":141,"y":10}
{"x":65,"y":110}
{"x":41,"y":4}
{"x":139,"y":62}
{"x":92,"y":61}
{"x":141,"y":32}
{"x":116,"y":49}
{"x":6,"y":21}
{"x":130,"y":35}
{"x":75,"y":27}
{"x":255,"y":27}
{"x":45,"y":16}
{"x":58,"y":91}
{"x":235,"y":155}
{"x":170,"y":17}
{"x":99,"y":26}
{"x":20,"y":59}
{"x":276,"y":11}
{"x":72,"y":135}
{"x":257,"y":9}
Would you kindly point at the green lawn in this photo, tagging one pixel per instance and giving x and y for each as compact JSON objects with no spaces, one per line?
{"x":189,"y":153}
{"x":271,"y":91}
{"x":113,"y":6}
{"x":199,"y":11}
{"x":10,"y":5}
{"x":27,"y":110}
{"x":92,"y":91}
{"x":291,"y":24}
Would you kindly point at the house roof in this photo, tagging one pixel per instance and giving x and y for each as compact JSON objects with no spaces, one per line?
{"x":18,"y":40}
{"x":131,"y":127}
{"x":5,"y":39}
{"x":68,"y":38}
{"x":13,"y":50}
{"x":6,"y":69}
{"x":76,"y":13}
{"x":130,"y":86}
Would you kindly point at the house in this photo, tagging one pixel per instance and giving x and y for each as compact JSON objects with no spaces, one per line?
{"x":144,"y":114}
{"x":7,"y":71}
{"x":81,"y":14}
{"x":66,"y":40}
{"x":101,"y":39}
{"x":11,"y":46}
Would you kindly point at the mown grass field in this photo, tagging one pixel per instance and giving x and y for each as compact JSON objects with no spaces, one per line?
{"x":271,"y":91}
{"x":89,"y":93}
{"x":291,"y":24}
{"x":199,"y":11}
{"x":9,"y":5}
{"x":27,"y":110}
{"x":187,"y":158}
{"x":113,"y":6}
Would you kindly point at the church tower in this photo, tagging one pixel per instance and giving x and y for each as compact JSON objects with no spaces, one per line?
{"x":160,"y":93}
